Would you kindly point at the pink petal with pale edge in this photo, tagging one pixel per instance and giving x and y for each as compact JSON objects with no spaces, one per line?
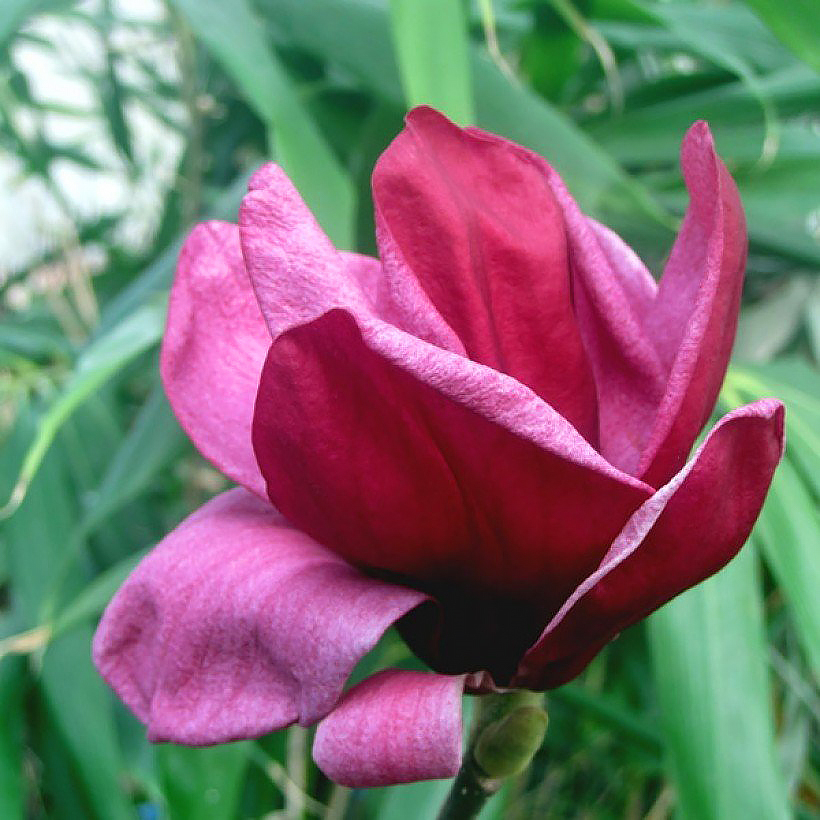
{"x":395,"y":727}
{"x":237,"y":624}
{"x":686,"y":532}
{"x":213,"y":350}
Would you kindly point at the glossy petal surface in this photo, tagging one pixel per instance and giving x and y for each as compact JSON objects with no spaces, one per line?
{"x":395,"y":727}
{"x":237,"y":624}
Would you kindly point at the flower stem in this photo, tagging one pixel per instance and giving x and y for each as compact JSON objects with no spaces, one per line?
{"x":506,"y":733}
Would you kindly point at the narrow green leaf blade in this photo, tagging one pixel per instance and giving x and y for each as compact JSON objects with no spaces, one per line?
{"x":202,"y":782}
{"x":90,"y":602}
{"x":789,"y":532}
{"x":152,"y":442}
{"x":236,"y":37}
{"x":796,"y":23}
{"x":99,"y":362}
{"x":432,"y":51}
{"x":709,"y":660}
{"x":12,"y":688}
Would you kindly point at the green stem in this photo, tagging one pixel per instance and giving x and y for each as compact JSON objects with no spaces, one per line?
{"x":506,"y":732}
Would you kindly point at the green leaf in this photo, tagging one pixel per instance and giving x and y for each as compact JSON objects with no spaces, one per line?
{"x":12,"y":14}
{"x":355,"y":36}
{"x":789,"y":532}
{"x":12,"y":690}
{"x":76,"y":696}
{"x":235,"y":36}
{"x":103,"y":358}
{"x":81,"y":707}
{"x":766,"y":327}
{"x":796,"y":23}
{"x":93,"y":599}
{"x":709,"y":659}
{"x":202,"y":782}
{"x":798,"y":386}
{"x":432,"y":50}
{"x":154,"y":440}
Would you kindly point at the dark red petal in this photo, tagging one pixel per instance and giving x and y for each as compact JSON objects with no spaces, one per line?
{"x":686,"y":532}
{"x":475,"y":221}
{"x":407,"y":459}
{"x":694,"y":319}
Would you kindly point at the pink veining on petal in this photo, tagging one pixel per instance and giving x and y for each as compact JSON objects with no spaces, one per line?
{"x":213,"y":350}
{"x":395,"y":727}
{"x":237,"y":624}
{"x":629,"y":375}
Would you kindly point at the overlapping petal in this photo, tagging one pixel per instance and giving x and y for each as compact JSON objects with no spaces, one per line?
{"x":477,"y":225}
{"x":694,"y":318}
{"x":237,"y":624}
{"x":403,"y":456}
{"x":395,"y":727}
{"x":686,"y":532}
{"x":212,"y":353}
{"x":462,"y":437}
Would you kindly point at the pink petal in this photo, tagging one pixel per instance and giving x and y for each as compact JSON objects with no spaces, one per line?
{"x":237,"y":624}
{"x":638,"y":285}
{"x":473,"y":219}
{"x":396,"y":727}
{"x":213,"y":350}
{"x":686,"y":532}
{"x":694,"y":319}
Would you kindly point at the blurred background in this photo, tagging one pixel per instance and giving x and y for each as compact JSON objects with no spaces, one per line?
{"x":122,"y":122}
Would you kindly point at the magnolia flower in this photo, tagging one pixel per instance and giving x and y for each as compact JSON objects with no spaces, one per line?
{"x":480,"y":437}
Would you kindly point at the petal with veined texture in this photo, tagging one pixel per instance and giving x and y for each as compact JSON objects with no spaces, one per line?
{"x":237,"y":624}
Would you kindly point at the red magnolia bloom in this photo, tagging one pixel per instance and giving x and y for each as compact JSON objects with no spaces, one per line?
{"x":480,"y":437}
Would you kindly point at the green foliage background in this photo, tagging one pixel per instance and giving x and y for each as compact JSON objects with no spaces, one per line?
{"x":709,"y":711}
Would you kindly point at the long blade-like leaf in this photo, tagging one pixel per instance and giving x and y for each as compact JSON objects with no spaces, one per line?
{"x":433,"y":55}
{"x":236,"y":37}
{"x":709,"y":658}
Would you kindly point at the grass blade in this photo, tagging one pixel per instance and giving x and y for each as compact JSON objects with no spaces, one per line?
{"x":796,"y":23}
{"x":789,"y":533}
{"x":236,"y":37}
{"x":432,"y":51}
{"x":103,"y":358}
{"x":709,"y":659}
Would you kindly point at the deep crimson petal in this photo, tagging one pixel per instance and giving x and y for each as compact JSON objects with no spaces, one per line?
{"x":694,"y":319}
{"x":396,"y":727}
{"x":686,"y":532}
{"x":475,"y":221}
{"x":237,"y":624}
{"x":401,"y":455}
{"x":381,"y":448}
{"x":213,"y":350}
